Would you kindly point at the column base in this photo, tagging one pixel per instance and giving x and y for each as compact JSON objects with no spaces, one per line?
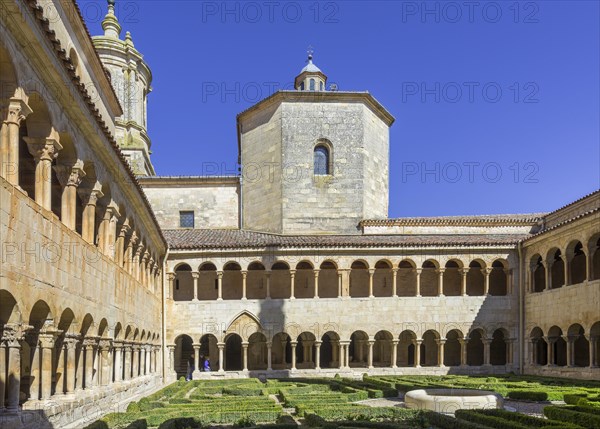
{"x":292,"y":298}
{"x":219,"y":299}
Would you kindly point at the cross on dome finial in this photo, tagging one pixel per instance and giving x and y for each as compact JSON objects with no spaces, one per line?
{"x":310,"y":51}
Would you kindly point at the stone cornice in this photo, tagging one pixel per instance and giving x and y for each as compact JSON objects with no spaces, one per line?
{"x":484,"y":220}
{"x":168,"y":181}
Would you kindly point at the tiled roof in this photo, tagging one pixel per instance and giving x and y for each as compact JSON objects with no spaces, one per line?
{"x":197,"y":239}
{"x":498,"y":220}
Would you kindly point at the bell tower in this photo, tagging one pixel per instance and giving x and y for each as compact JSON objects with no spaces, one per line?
{"x":131,"y":79}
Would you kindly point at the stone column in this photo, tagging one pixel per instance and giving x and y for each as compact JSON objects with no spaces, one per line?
{"x":269,"y":357}
{"x":12,"y":337}
{"x":3,"y":379}
{"x":547,"y":276}
{"x":70,"y":178}
{"x":340,"y":354}
{"x":220,"y":285}
{"x":317,"y":355}
{"x":345,"y":282}
{"x":144,"y":268}
{"x":71,"y":342}
{"x":244,"y":280}
{"x":18,"y":110}
{"x":128,"y":361}
{"x":510,"y":342}
{"x":129,"y":253}
{"x":394,"y":281}
{"x":135,"y":365}
{"x":417,"y":344}
{"x":593,"y":352}
{"x":170,"y":282}
{"x":463,"y":286}
{"x":550,"y":347}
{"x":532,"y":352}
{"x":268,"y":281}
{"x":418,"y":271}
{"x":196,"y":373}
{"x":441,"y":343}
{"x":463,"y":351}
{"x":394,"y":362}
{"x":136,"y":260}
{"x":570,"y":349}
{"x":245,"y":355}
{"x":347,"y":354}
{"x":147,"y":367}
{"x":292,"y":284}
{"x":441,"y":281}
{"x":293,"y":343}
{"x":108,"y":230}
{"x":509,"y":281}
{"x":196,"y":280}
{"x":118,"y":350}
{"x":340,"y":284}
{"x":221,"y":347}
{"x":47,"y":341}
{"x":89,"y":345}
{"x":371,"y":275}
{"x":316,"y":273}
{"x":88,"y":219}
{"x":171,"y":368}
{"x":120,"y":245}
{"x":486,"y":272}
{"x":105,"y":346}
{"x":486,"y":351}
{"x":44,"y":151}
{"x":370,"y":359}
{"x":35,"y":369}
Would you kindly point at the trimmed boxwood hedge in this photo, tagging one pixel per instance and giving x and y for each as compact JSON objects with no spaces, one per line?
{"x":443,"y":421}
{"x":576,"y":415}
{"x":520,"y":418}
{"x":528,"y":395}
{"x":573,"y":398}
{"x":138,"y":424}
{"x":180,"y":423}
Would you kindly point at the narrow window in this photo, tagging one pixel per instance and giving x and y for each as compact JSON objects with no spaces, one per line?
{"x":320,"y":86}
{"x":186,"y":219}
{"x":312,"y":84}
{"x":321,"y":160}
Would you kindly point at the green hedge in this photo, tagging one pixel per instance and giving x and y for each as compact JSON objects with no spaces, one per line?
{"x":138,"y":424}
{"x":573,"y":398}
{"x":489,"y":421}
{"x":181,"y":423}
{"x":572,"y":415}
{"x":443,"y":421}
{"x":528,"y":395}
{"x":518,"y":418}
{"x":97,"y":425}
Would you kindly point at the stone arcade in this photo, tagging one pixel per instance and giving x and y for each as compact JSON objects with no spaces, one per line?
{"x":113,"y":280}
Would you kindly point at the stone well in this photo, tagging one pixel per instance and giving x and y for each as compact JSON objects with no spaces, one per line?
{"x":447,"y":401}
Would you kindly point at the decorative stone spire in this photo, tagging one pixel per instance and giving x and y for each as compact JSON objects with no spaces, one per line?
{"x":110,"y":24}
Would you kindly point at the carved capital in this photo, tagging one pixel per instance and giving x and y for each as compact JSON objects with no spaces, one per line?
{"x":13,"y":334}
{"x":43,"y":149}
{"x":70,"y":175}
{"x":17,"y":111}
{"x":90,"y":196}
{"x":105,"y":344}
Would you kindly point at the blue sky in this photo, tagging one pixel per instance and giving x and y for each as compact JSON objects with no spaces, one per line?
{"x":497,"y":104}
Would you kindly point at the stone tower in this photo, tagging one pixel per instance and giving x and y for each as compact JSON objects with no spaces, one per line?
{"x":313,"y":160}
{"x":131,"y":78}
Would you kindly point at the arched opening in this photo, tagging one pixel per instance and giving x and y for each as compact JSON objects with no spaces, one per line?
{"x":66,"y":327}
{"x":233,"y":353}
{"x":577,"y":263}
{"x":232,"y":281}
{"x":184,"y":356}
{"x":281,"y":351}
{"x":209,"y":352}
{"x":359,"y":279}
{"x":281,"y":286}
{"x":539,"y":347}
{"x":429,"y":348}
{"x":498,"y":348}
{"x":407,"y":279}
{"x":558,"y":347}
{"x":406,"y":348}
{"x":305,"y":351}
{"x":312,"y":84}
{"x":452,"y":278}
{"x":595,"y":252}
{"x":382,"y":279}
{"x":595,"y":342}
{"x":255,"y":283}
{"x":183,"y":283}
{"x":257,"y":351}
{"x":305,"y":280}
{"x":208,"y":287}
{"x":475,"y":279}
{"x":330,"y":350}
{"x":328,"y":280}
{"x":382,"y":349}
{"x":538,"y":274}
{"x":359,"y":349}
{"x":580,"y":345}
{"x":498,"y":279}
{"x":322,"y":160}
{"x":452,"y":348}
{"x":429,"y":279}
{"x":475,"y":348}
{"x":557,"y":269}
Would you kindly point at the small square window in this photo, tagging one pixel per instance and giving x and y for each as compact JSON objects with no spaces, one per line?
{"x":186,"y":219}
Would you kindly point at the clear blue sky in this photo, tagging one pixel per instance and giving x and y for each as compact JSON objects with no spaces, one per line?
{"x":496,"y":103}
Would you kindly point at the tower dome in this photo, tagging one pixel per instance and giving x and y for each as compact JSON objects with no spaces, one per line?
{"x":311,"y":78}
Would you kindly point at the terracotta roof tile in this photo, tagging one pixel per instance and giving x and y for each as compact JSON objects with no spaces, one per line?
{"x":198,"y":239}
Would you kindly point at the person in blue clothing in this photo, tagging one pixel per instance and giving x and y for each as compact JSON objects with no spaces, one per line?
{"x":207,"y":364}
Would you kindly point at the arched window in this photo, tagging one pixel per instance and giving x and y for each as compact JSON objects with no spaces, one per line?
{"x":320,"y":86}
{"x":322,"y":160}
{"x":312,"y":84}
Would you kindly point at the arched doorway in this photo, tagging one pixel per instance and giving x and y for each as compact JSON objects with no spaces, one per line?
{"x":498,"y":348}
{"x":209,"y":351}
{"x":429,"y":348}
{"x":406,"y":348}
{"x":282,"y":351}
{"x":257,"y":351}
{"x":359,"y":349}
{"x":475,"y":348}
{"x":305,"y":351}
{"x":329,"y":350}
{"x":580,"y":345}
{"x":233,"y":353}
{"x":382,"y":349}
{"x":452,"y":348}
{"x":184,"y":356}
